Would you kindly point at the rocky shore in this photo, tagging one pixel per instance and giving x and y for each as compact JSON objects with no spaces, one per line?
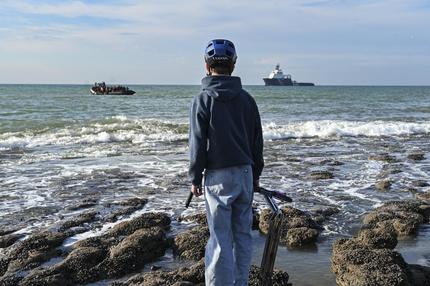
{"x":121,"y":253}
{"x":370,"y":258}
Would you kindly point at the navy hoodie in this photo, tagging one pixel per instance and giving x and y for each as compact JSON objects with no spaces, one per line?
{"x":225,"y":128}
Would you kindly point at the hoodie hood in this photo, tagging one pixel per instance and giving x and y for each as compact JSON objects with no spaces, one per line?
{"x":222,"y":88}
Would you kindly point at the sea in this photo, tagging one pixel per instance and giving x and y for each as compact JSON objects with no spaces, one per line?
{"x":59,"y":146}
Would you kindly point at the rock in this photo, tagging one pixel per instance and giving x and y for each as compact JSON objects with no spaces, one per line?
{"x":368,"y":259}
{"x":377,"y":238}
{"x":301,"y":236}
{"x":155,"y":267}
{"x":195,"y":276}
{"x":135,"y":202}
{"x":383,"y":185}
{"x":384,"y":158}
{"x":420,"y":184}
{"x":146,"y":220}
{"x":297,"y":229}
{"x":6,"y":231}
{"x":81,"y":265}
{"x":87,"y":264}
{"x":199,"y":218}
{"x":10,"y":280}
{"x":130,"y":206}
{"x":79,"y":220}
{"x":143,"y":246}
{"x":402,"y":217}
{"x":9,"y":239}
{"x":356,"y":264}
{"x":83,"y":205}
{"x":33,"y":251}
{"x":191,"y":244}
{"x":53,"y":280}
{"x":279,"y":278}
{"x":326,"y":212}
{"x":424,"y":210}
{"x":321,"y":175}
{"x":416,"y":156}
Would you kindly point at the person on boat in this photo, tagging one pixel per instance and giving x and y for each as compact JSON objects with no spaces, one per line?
{"x":226,"y":143}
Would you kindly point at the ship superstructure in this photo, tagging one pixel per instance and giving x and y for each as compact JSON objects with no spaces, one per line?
{"x":277,"y":77}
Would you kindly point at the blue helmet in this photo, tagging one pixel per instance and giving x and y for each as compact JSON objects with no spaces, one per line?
{"x":220,"y":51}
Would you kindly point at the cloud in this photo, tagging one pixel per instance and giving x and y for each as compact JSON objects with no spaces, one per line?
{"x":171,"y":32}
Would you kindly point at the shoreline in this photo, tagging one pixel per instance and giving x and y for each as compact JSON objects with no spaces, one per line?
{"x":131,"y":217}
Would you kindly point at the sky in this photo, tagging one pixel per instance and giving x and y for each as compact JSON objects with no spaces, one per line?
{"x":329,"y":42}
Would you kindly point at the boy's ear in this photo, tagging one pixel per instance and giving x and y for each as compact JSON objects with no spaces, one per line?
{"x":208,"y":69}
{"x":232,"y":68}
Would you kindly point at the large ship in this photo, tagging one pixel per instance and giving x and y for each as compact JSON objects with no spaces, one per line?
{"x":277,"y":77}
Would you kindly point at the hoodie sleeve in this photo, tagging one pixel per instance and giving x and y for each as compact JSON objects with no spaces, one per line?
{"x":199,"y":123}
{"x":257,"y":150}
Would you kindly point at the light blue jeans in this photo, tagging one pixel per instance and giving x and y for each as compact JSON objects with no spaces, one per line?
{"x":228,"y":196}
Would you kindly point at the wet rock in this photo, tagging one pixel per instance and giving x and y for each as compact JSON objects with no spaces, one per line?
{"x":130,"y":206}
{"x":34,"y":250}
{"x":301,"y":236}
{"x":383,"y":185}
{"x":86,"y":264}
{"x":279,"y":278}
{"x":41,"y":280}
{"x":420,"y":184}
{"x":403,"y":223}
{"x":199,"y":218}
{"x":146,"y":220}
{"x":6,"y":231}
{"x":79,"y":220}
{"x":378,"y":238}
{"x":403,"y":217}
{"x":324,"y":213}
{"x":134,"y":202}
{"x":195,"y":276}
{"x":10,"y":280}
{"x":9,"y":239}
{"x":297,"y":228}
{"x":155,"y":267}
{"x":357,"y":264}
{"x":424,"y":210}
{"x":143,"y":246}
{"x":384,"y":158}
{"x":368,"y":259}
{"x":85,"y":204}
{"x":416,"y":156}
{"x":115,"y":215}
{"x":321,"y":175}
{"x":335,"y":163}
{"x":191,"y":244}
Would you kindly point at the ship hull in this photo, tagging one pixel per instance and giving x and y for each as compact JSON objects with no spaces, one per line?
{"x":304,"y":84}
{"x":125,"y":92}
{"x":278,"y":81}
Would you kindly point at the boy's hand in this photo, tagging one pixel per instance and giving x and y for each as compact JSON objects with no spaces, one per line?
{"x":196,"y":190}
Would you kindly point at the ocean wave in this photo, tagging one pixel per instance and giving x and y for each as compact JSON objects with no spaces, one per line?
{"x":112,"y":129}
{"x":149,"y":131}
{"x":335,"y":128}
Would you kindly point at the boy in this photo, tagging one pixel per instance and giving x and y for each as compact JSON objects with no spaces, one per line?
{"x":226,"y":143}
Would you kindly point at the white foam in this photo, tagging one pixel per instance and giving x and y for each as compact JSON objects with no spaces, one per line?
{"x":113,"y":129}
{"x":338,"y":128}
